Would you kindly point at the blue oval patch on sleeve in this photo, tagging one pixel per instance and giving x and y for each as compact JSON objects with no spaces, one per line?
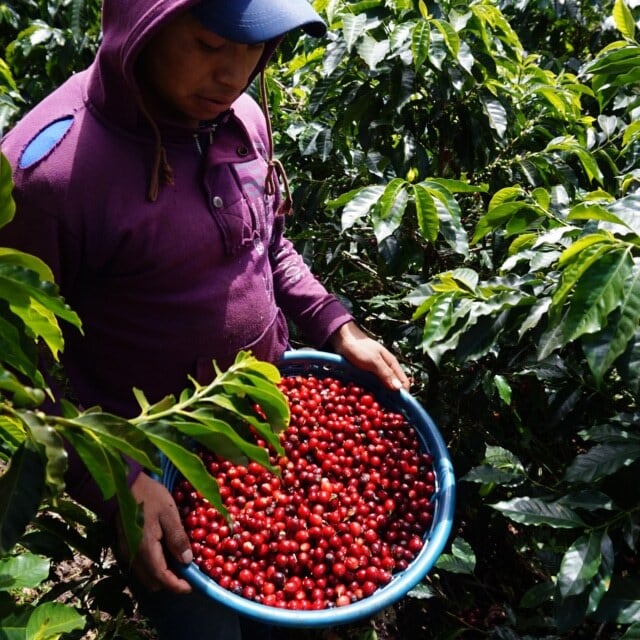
{"x":45,"y":141}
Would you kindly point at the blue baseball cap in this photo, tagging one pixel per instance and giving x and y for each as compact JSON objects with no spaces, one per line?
{"x":254,"y":21}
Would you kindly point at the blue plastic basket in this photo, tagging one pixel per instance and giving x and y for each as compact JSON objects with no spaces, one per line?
{"x":320,"y":364}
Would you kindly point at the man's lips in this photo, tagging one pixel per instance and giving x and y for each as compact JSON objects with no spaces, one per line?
{"x":223,"y":103}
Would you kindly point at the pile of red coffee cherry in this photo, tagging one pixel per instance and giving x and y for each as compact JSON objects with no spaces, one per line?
{"x":349,"y":508}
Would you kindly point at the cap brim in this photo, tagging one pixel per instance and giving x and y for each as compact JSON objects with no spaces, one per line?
{"x":253,"y":21}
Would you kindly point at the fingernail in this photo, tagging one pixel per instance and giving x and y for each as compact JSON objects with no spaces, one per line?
{"x":187,"y":556}
{"x":396,"y":384}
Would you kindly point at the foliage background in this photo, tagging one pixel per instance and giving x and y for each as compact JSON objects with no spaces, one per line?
{"x":465,"y":177}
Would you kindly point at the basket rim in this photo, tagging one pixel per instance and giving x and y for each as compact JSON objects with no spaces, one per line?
{"x":402,"y":582}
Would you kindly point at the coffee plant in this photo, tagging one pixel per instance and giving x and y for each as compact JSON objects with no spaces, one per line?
{"x":465,"y":178}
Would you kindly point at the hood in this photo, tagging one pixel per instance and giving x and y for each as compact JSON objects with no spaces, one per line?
{"x":113,"y":92}
{"x":126,"y":27}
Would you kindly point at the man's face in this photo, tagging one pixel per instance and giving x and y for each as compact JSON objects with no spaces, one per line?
{"x":188,"y":74}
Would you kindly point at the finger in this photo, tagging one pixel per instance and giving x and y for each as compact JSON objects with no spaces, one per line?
{"x":174,"y":536}
{"x":393,"y":375}
{"x":163,"y":579}
{"x":152,"y":570}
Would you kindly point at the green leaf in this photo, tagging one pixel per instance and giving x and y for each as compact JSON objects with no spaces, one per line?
{"x":534,"y":511}
{"x":569,"y":145}
{"x":487,"y":475}
{"x":538,"y":594}
{"x":353,"y":26}
{"x":14,"y":626}
{"x":449,"y":213}
{"x":496,"y":114}
{"x":426,"y":213}
{"x":26,"y":260}
{"x":615,"y":62}
{"x":189,"y":465}
{"x":438,"y":321}
{"x":54,"y":451}
{"x":25,"y":571}
{"x":129,"y":512}
{"x":462,"y":559}
{"x":372,"y":51}
{"x":7,"y":204}
{"x":625,"y":210}
{"x":116,"y":434}
{"x":503,"y":459}
{"x":588,"y":500}
{"x":592,"y":251}
{"x":504,"y":389}
{"x":387,"y":217}
{"x":18,"y":350}
{"x":95,"y":457}
{"x":218,"y":436}
{"x":23,"y":285}
{"x":21,"y":489}
{"x":623,"y":19}
{"x":255,"y":367}
{"x":243,"y":411}
{"x":621,"y":603}
{"x":449,"y":186}
{"x":451,"y":38}
{"x":601,"y":582}
{"x":507,"y":194}
{"x":52,"y":619}
{"x":597,"y":293}
{"x":604,"y":348}
{"x":421,"y":591}
{"x":602,"y":460}
{"x":632,"y":632}
{"x":420,"y":39}
{"x":631,"y":133}
{"x":498,"y":216}
{"x":612,"y":433}
{"x":580,"y":564}
{"x":360,"y":205}
{"x":271,"y":401}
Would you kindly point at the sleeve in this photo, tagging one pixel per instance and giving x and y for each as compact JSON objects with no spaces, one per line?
{"x":300,"y":295}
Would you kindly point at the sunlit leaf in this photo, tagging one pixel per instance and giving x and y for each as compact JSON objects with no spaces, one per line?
{"x":24,"y":571}
{"x":462,"y":558}
{"x":360,"y":206}
{"x":7,"y":204}
{"x":420,"y":39}
{"x":51,"y":619}
{"x":534,"y":511}
{"x":602,"y":460}
{"x":426,"y":212}
{"x":188,"y":464}
{"x":623,"y":19}
{"x":596,"y":294}
{"x":580,"y":564}
{"x":373,"y":51}
{"x":353,"y":26}
{"x":496,"y":114}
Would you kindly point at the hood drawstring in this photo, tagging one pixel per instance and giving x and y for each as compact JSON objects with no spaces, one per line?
{"x":275,"y":170}
{"x":161,"y":170}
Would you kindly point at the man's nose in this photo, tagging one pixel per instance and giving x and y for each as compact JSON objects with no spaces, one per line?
{"x":237,"y":66}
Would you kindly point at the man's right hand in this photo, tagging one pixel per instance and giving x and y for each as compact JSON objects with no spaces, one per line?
{"x":162,"y":530}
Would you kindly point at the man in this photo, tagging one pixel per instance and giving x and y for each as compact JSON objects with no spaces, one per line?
{"x":148,"y":185}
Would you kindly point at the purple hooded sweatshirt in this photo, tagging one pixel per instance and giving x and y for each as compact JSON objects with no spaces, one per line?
{"x":166,"y":276}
